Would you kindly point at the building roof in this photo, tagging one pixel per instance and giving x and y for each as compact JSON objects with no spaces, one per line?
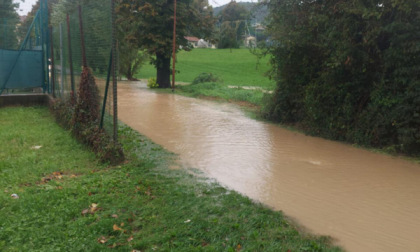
{"x":192,"y":39}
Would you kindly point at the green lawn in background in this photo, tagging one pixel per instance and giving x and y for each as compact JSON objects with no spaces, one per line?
{"x":68,"y":201}
{"x":237,"y":68}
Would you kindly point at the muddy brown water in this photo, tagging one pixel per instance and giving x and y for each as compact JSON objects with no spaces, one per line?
{"x":365,"y":201}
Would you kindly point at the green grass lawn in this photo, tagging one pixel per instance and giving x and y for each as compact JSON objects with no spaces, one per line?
{"x":68,"y":201}
{"x":238,"y":68}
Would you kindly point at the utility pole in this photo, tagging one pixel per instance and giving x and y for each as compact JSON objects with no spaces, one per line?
{"x":174,"y":49}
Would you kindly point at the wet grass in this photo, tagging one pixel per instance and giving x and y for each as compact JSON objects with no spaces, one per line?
{"x":238,"y":68}
{"x":224,"y":93}
{"x":68,"y":201}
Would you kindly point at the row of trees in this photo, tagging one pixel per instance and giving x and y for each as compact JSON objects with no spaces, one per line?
{"x":348,"y":70}
{"x":144,"y":29}
{"x":9,"y":19}
{"x":232,"y":23}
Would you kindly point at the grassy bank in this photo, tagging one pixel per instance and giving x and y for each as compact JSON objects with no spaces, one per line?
{"x":70,"y":202}
{"x":238,"y":68}
{"x":220,"y":91}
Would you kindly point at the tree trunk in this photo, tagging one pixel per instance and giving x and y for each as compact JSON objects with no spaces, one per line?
{"x":128,"y":73}
{"x":163,"y":67}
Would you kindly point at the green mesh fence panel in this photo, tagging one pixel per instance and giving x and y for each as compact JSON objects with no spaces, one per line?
{"x":23,"y":61}
{"x":27,"y":72}
{"x":97,"y":26}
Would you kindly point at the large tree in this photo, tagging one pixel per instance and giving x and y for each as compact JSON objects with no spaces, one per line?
{"x":8,"y":22}
{"x":154,"y":21}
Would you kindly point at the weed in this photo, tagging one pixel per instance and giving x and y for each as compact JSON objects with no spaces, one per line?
{"x":151,"y":83}
{"x":205,"y":77}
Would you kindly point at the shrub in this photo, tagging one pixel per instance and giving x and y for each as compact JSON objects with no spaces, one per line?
{"x":151,"y":83}
{"x":205,"y":77}
{"x":81,"y":116}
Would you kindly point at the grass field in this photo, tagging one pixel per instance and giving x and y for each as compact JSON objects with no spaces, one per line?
{"x":67,"y":201}
{"x":237,"y":68}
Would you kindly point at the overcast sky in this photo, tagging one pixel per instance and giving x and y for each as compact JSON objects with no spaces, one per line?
{"x":27,"y":5}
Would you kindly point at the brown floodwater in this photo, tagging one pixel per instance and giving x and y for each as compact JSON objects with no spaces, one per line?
{"x":365,"y":201}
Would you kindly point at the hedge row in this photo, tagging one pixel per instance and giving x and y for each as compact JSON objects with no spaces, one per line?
{"x":348,"y":70}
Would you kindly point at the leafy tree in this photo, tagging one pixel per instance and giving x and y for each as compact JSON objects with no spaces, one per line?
{"x":131,"y":57}
{"x":154,"y":22}
{"x":9,"y":19}
{"x":24,"y":27}
{"x":348,"y":70}
{"x":233,"y":21}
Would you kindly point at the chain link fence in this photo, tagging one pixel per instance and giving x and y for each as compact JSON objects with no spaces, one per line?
{"x":90,"y":24}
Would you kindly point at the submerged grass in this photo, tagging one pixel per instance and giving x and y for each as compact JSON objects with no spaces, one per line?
{"x":68,"y":201}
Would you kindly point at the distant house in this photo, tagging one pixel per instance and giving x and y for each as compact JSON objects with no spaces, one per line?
{"x":250,"y":42}
{"x":199,"y":43}
{"x":258,"y":27}
{"x":192,"y":41}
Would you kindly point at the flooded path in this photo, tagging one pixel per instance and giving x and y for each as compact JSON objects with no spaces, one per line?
{"x":366,"y":201}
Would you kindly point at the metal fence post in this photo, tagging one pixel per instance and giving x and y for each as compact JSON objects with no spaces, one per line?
{"x":73,"y":94}
{"x":114,"y":72}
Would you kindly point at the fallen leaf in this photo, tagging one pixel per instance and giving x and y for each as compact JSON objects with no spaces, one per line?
{"x":187,"y":221}
{"x":36,"y":147}
{"x":46,"y":179}
{"x":85,"y":211}
{"x":130,"y":239}
{"x":59,"y":187}
{"x":148,"y":192}
{"x":93,"y":207}
{"x":122,"y":224}
{"x":114,"y":216}
{"x":117,"y":228}
{"x":102,"y":240}
{"x":238,"y":248}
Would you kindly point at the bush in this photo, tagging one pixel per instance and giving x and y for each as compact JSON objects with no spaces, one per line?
{"x":205,"y":77}
{"x":81,"y":117}
{"x":151,"y":83}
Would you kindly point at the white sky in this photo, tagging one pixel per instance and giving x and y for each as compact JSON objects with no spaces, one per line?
{"x":27,"y":5}
{"x":216,"y":3}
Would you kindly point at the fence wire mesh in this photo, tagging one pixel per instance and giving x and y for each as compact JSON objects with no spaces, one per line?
{"x":8,"y":37}
{"x":23,"y":51}
{"x":96,"y":17}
